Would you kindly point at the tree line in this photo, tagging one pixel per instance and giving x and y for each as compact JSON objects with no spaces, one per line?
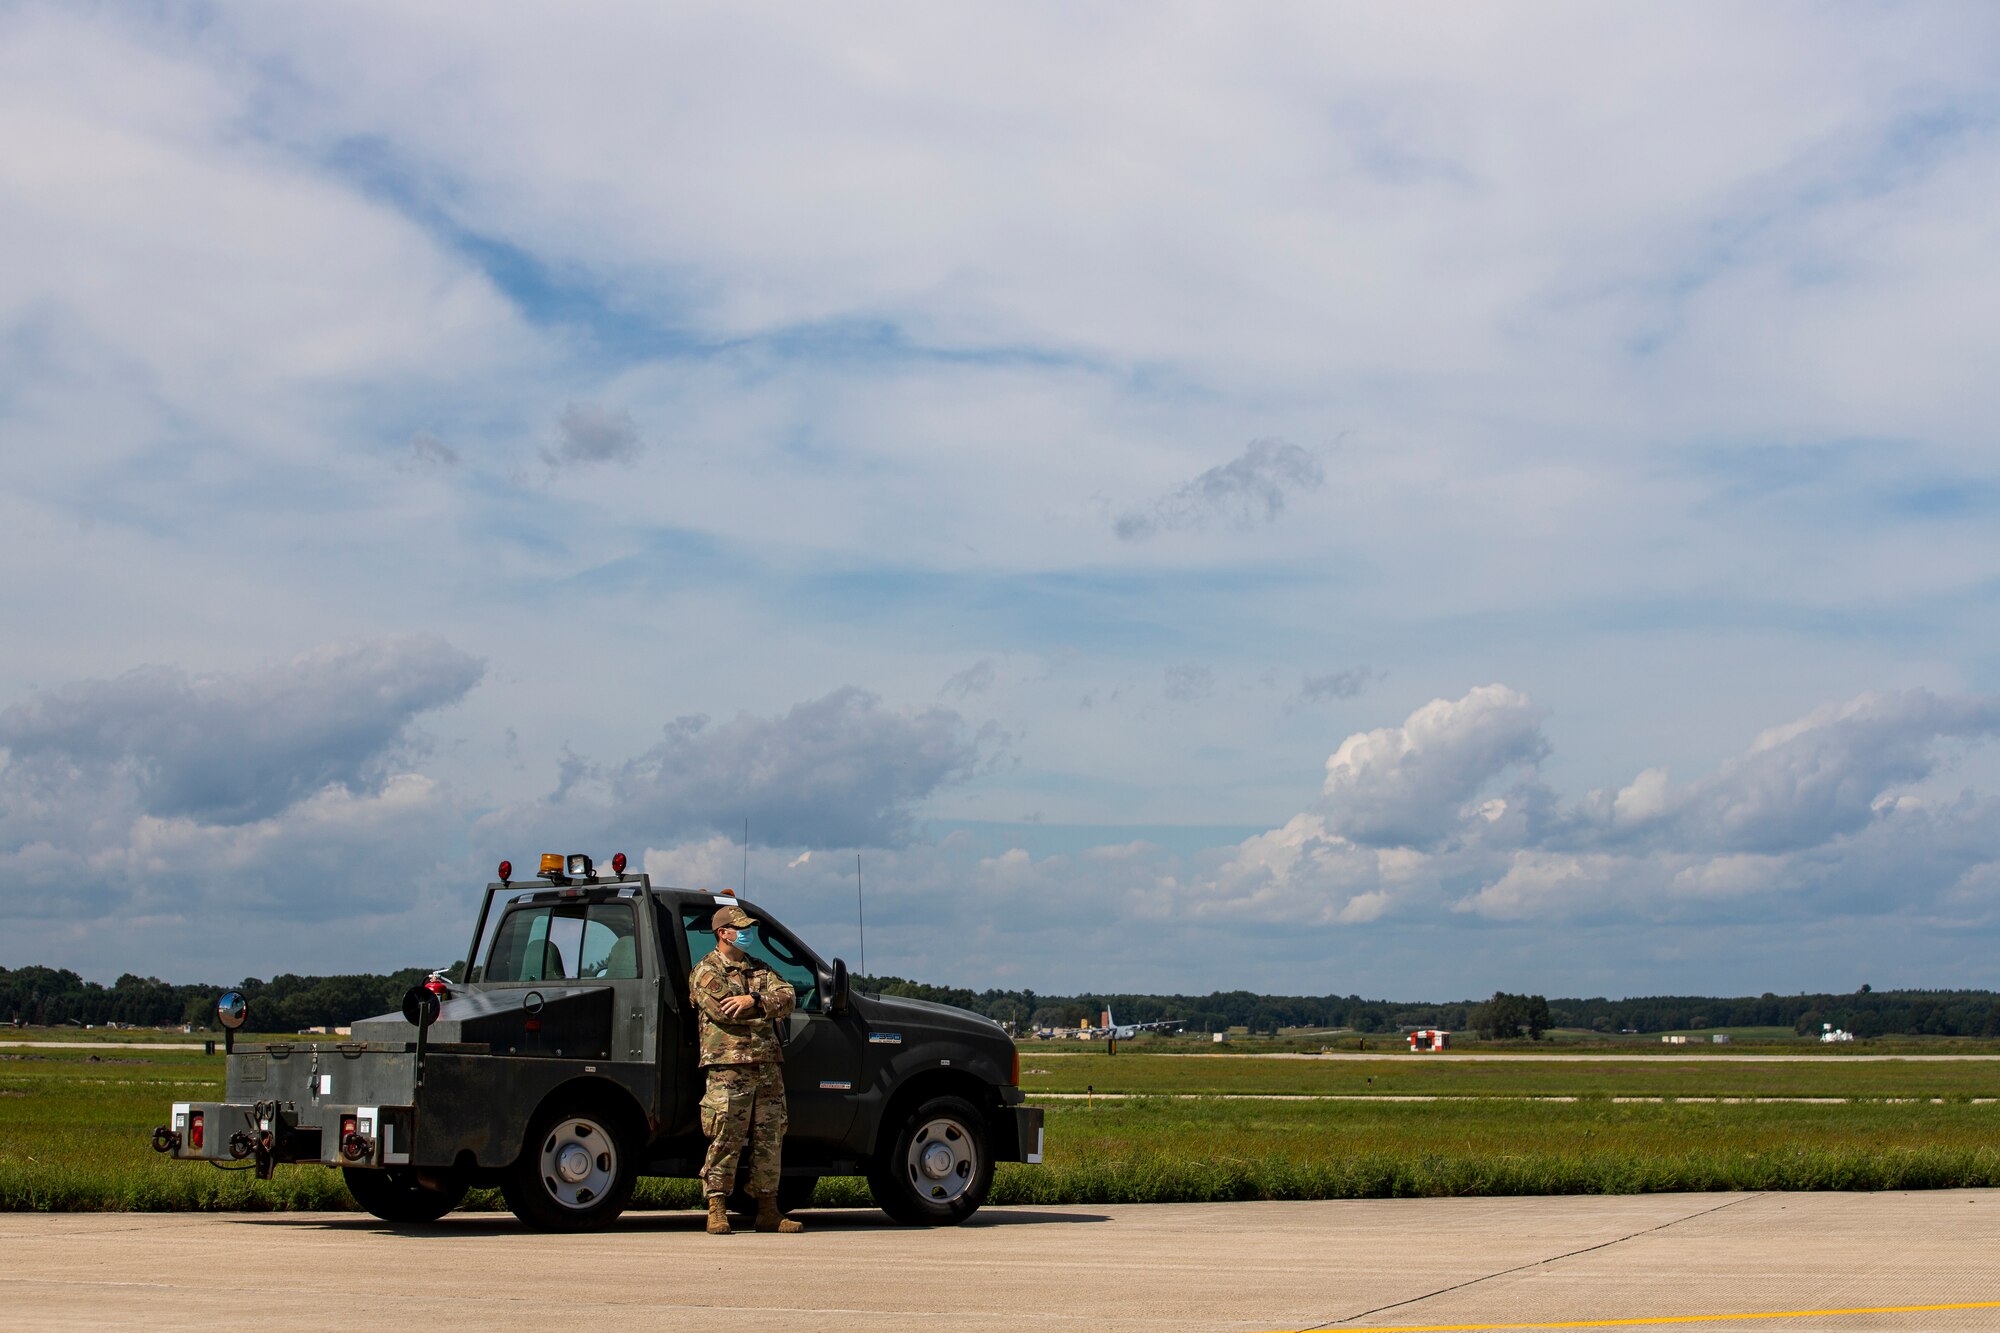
{"x":52,"y":997}
{"x":58,"y":997}
{"x":1866,"y":1012}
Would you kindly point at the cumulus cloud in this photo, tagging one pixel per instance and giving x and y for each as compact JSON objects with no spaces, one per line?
{"x":234,"y":748}
{"x":841,"y":770}
{"x":1804,"y":783}
{"x":1810,"y":820}
{"x":1406,"y":785}
{"x":1245,"y":491}
{"x":587,"y":433}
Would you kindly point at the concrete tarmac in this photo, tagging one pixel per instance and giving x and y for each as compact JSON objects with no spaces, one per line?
{"x":1817,"y":1262}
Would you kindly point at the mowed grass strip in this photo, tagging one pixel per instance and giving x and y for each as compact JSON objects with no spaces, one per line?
{"x":1414,"y":1075}
{"x":1155,"y":1149}
{"x":73,"y":1136}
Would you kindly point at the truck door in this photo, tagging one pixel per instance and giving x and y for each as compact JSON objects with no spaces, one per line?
{"x":822,"y":1054}
{"x":541,"y":939}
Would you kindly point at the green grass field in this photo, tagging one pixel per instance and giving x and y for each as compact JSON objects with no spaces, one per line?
{"x":73,"y":1128}
{"x":1606,"y":1075}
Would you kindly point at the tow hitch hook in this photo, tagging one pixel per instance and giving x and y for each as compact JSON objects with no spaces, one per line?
{"x":241,"y":1145}
{"x":355,"y":1146}
{"x":165,"y":1140}
{"x":264,"y":1120}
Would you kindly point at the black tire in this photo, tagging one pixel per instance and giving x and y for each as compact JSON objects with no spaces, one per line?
{"x":575,"y":1172}
{"x":394,"y":1195}
{"x":936,"y":1169}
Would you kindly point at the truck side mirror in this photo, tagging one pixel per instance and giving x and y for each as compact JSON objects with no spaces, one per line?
{"x":232,"y":1011}
{"x":837,"y":994}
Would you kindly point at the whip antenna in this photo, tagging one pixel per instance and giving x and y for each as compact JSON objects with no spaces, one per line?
{"x":746,"y":854}
{"x":860,"y":918}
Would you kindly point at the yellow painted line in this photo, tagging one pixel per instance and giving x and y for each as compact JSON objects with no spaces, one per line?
{"x":1669,"y":1319}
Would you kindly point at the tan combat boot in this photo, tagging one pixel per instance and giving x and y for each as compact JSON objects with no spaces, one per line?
{"x":768,"y":1218}
{"x":718,"y":1219}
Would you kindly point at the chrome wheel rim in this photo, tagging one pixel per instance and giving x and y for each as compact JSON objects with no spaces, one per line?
{"x":943,"y":1160}
{"x":579,"y":1162}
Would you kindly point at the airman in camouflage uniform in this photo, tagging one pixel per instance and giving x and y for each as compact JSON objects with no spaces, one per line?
{"x":741,"y":1002}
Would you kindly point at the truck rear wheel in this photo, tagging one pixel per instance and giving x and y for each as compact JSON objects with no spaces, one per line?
{"x":396,"y":1196}
{"x":575,"y":1172}
{"x":937,"y":1167}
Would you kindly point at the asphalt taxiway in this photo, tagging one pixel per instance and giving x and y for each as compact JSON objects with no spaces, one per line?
{"x":1912,"y":1261}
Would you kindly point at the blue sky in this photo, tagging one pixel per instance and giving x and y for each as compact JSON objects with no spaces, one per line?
{"x":1306,"y":498}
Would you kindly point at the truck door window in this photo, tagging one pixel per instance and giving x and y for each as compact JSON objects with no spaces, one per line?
{"x":610,"y":949}
{"x":763,"y":942}
{"x":571,"y":941}
{"x":520,"y":950}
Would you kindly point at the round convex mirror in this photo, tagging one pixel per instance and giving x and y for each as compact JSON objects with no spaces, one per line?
{"x":231,"y":1010}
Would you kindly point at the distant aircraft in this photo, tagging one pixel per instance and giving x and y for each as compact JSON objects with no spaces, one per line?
{"x":1109,"y":1027}
{"x":1117,"y":1031}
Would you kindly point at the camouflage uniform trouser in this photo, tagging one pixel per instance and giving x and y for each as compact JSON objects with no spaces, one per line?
{"x":744,"y":1103}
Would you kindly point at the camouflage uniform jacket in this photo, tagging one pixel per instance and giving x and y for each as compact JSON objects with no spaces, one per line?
{"x":752,"y":1039}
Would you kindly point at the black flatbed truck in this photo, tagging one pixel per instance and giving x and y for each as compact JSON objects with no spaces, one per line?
{"x":562,"y":1068}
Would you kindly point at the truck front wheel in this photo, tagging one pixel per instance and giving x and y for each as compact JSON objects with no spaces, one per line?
{"x":575,"y":1173}
{"x":396,"y":1196}
{"x":937,"y":1167}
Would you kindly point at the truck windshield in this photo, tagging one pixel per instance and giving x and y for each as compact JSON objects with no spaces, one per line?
{"x":764,"y":942}
{"x":573,"y":941}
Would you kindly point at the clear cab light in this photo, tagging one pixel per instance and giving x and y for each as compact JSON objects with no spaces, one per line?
{"x":579,"y":866}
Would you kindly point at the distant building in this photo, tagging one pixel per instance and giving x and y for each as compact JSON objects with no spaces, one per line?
{"x":1430,"y":1039}
{"x":1675,"y":1039}
{"x":1720,"y":1039}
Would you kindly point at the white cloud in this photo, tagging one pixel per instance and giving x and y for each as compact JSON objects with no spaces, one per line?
{"x":1806,"y":782}
{"x":1405,"y":785}
{"x":1816,"y":798}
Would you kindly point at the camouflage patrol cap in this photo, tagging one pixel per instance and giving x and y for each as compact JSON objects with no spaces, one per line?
{"x":731,"y":916}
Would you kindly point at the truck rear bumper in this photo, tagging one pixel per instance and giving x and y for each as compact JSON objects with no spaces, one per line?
{"x":236,"y":1132}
